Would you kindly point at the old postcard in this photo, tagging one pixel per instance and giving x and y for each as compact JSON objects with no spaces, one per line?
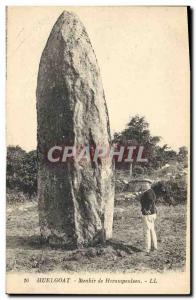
{"x":98,"y":150}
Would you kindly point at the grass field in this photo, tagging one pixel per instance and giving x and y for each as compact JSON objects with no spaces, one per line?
{"x":123,"y":253}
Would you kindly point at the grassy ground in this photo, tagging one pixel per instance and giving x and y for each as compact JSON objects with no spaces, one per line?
{"x":123,"y":253}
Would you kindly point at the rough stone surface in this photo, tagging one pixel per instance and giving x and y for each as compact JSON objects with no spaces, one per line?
{"x":75,"y":199}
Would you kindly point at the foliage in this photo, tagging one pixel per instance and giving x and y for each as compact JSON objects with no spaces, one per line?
{"x":173,"y":191}
{"x":21,"y":170}
{"x":183,"y":156}
{"x":138,"y":170}
{"x":15,"y":197}
{"x":137,"y":131}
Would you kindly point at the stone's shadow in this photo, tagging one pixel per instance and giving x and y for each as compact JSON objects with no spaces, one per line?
{"x":35,"y":242}
{"x":120,"y":245}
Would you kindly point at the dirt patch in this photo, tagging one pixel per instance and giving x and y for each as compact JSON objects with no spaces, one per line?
{"x":123,"y":253}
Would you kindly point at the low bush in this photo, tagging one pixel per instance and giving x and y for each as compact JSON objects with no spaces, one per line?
{"x":173,"y":191}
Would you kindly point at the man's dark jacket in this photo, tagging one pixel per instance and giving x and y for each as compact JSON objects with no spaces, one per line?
{"x":148,"y":199}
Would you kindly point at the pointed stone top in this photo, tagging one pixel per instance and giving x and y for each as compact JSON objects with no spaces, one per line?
{"x":70,"y":27}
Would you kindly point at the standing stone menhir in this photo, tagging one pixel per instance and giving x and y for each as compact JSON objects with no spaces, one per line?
{"x":75,"y":199}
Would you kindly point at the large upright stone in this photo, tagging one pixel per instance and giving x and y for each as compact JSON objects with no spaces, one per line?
{"x":75,"y":199}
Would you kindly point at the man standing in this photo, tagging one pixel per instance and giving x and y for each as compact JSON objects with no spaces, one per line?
{"x":149,"y":211}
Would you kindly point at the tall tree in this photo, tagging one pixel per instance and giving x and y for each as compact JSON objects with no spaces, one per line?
{"x":137,"y":130}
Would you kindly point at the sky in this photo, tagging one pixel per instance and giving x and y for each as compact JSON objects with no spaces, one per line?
{"x":143,"y":57}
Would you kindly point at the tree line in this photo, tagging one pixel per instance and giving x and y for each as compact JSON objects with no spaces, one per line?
{"x":22,"y":166}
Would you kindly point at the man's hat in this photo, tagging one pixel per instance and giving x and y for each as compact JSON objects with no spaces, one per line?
{"x":147,"y":180}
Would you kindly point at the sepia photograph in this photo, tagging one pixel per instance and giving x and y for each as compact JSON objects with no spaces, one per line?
{"x":98,"y":150}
